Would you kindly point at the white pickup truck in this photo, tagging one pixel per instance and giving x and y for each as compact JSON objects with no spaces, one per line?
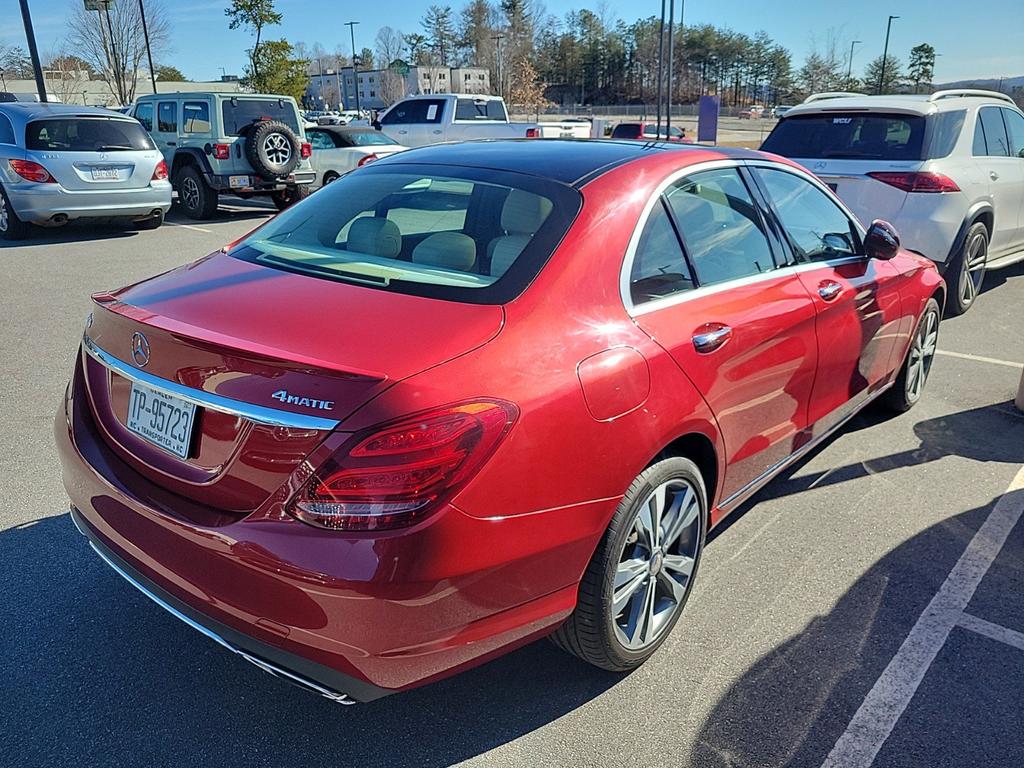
{"x":432,"y":118}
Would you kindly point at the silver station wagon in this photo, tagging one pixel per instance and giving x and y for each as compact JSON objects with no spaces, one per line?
{"x":59,"y":163}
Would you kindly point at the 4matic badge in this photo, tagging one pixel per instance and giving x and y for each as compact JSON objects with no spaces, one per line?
{"x":308,"y":402}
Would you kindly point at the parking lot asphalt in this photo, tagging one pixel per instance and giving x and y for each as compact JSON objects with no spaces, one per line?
{"x":863,"y":606}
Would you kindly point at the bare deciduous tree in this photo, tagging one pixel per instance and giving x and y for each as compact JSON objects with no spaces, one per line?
{"x":117,"y":58}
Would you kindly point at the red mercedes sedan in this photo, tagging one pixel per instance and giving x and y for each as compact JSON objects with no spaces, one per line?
{"x":471,"y":395}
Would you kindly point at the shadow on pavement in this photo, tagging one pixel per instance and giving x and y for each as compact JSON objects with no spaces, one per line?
{"x":75,"y":233}
{"x":95,"y":674}
{"x":791,"y":706}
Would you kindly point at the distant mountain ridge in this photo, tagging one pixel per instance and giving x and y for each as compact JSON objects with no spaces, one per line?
{"x":992,"y":83}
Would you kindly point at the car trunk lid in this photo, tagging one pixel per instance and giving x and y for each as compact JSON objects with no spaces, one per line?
{"x":273,"y":360}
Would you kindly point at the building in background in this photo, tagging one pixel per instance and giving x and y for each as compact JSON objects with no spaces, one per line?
{"x":379,"y":88}
{"x":77,"y":88}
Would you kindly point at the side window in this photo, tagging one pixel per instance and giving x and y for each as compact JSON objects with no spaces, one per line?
{"x":1015,"y":127}
{"x":6,"y":131}
{"x":945,"y":130}
{"x":659,"y":267}
{"x":415,"y":111}
{"x":144,"y":114}
{"x":995,"y":132}
{"x":167,"y":117}
{"x":195,"y":116}
{"x":817,"y":227}
{"x":979,"y":148}
{"x":721,"y":227}
{"x":320,"y":139}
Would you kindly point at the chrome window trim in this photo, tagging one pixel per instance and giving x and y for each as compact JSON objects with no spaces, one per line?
{"x":705,"y":290}
{"x":260,"y":414}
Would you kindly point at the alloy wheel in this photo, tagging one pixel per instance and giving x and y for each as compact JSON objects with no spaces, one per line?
{"x":190,"y":193}
{"x":972,"y":270}
{"x":922,"y":353}
{"x":656,"y":564}
{"x":5,"y":217}
{"x":277,"y":148}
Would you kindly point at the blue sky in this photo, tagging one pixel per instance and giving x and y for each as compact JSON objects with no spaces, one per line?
{"x":970,"y":43}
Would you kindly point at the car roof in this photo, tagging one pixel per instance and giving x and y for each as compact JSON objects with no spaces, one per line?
{"x":34,"y":110}
{"x":570,"y":161}
{"x":920,"y":104}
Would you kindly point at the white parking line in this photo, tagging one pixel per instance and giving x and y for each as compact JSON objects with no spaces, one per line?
{"x":188,"y":226}
{"x":980,"y":359}
{"x":885,"y":702}
{"x":993,"y":631}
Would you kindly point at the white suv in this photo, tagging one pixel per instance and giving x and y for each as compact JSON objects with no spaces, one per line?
{"x":946,"y":168}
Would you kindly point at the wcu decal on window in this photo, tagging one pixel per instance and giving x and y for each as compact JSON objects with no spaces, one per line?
{"x":309,"y":402}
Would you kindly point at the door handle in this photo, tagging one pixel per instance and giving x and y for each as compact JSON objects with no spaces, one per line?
{"x":437,"y":132}
{"x":993,"y":175}
{"x":172,"y":143}
{"x":711,"y":336}
{"x":829,"y":290}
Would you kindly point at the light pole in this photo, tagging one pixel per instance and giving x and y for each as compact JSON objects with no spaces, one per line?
{"x":355,"y":60}
{"x":885,"y":53}
{"x":849,"y":69}
{"x":501,"y":85}
{"x":33,"y":52}
{"x":149,"y":53}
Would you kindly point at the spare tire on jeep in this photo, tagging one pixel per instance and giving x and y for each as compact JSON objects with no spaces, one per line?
{"x":272,"y":148}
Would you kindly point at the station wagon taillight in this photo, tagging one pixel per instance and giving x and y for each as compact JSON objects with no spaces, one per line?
{"x":394,"y":475}
{"x":221,"y":151}
{"x":31,"y":171}
{"x":160,"y":172}
{"x":916,"y":181}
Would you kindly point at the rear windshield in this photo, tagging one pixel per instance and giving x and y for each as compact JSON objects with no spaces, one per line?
{"x":367,"y":139}
{"x":626,"y":130}
{"x":853,"y":135}
{"x":87,"y":134}
{"x":461,"y":234}
{"x":483,"y":109}
{"x":239,"y":113}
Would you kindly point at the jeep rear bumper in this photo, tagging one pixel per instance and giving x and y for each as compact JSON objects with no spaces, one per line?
{"x":257,"y":184}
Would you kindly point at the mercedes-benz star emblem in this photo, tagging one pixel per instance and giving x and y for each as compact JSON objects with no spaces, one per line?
{"x":140,"y":349}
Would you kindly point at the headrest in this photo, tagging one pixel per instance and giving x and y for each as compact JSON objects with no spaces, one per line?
{"x":451,"y":250}
{"x":505,"y":250}
{"x":375,"y":236}
{"x":524,"y":212}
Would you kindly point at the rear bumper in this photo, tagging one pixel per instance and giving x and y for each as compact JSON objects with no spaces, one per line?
{"x":930,"y":223}
{"x":354,"y":615}
{"x":40,"y":203}
{"x":222,"y":182}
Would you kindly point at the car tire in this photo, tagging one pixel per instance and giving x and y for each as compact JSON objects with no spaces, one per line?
{"x":329,"y":177}
{"x":289,"y":196}
{"x":150,"y":222}
{"x":906,"y":391}
{"x":11,"y":227}
{"x":197,"y":199}
{"x":272,"y":149}
{"x":966,"y":272}
{"x":633,"y":590}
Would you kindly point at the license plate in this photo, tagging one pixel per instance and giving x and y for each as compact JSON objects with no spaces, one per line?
{"x":164,"y":420}
{"x":104,"y":174}
{"x":237,"y":182}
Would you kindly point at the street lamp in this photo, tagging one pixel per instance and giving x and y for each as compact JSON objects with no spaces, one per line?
{"x":849,"y":70}
{"x":355,"y":61}
{"x":885,"y":53}
{"x":501,"y":83}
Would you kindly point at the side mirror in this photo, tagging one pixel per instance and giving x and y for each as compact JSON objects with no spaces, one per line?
{"x":376,"y":124}
{"x":882,"y":241}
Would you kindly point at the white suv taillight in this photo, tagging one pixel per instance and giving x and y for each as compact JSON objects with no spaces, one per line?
{"x":916,"y":181}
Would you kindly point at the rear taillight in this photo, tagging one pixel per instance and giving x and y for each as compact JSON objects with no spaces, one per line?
{"x":306,"y":149}
{"x":31,"y":171}
{"x":916,"y":181}
{"x":221,"y":151}
{"x":533,"y":133}
{"x":396,"y":474}
{"x":366,"y":159}
{"x":160,"y":173}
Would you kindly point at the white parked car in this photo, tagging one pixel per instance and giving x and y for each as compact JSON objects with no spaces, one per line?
{"x":947,"y":169}
{"x":339,"y":149}
{"x":431,"y":119}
